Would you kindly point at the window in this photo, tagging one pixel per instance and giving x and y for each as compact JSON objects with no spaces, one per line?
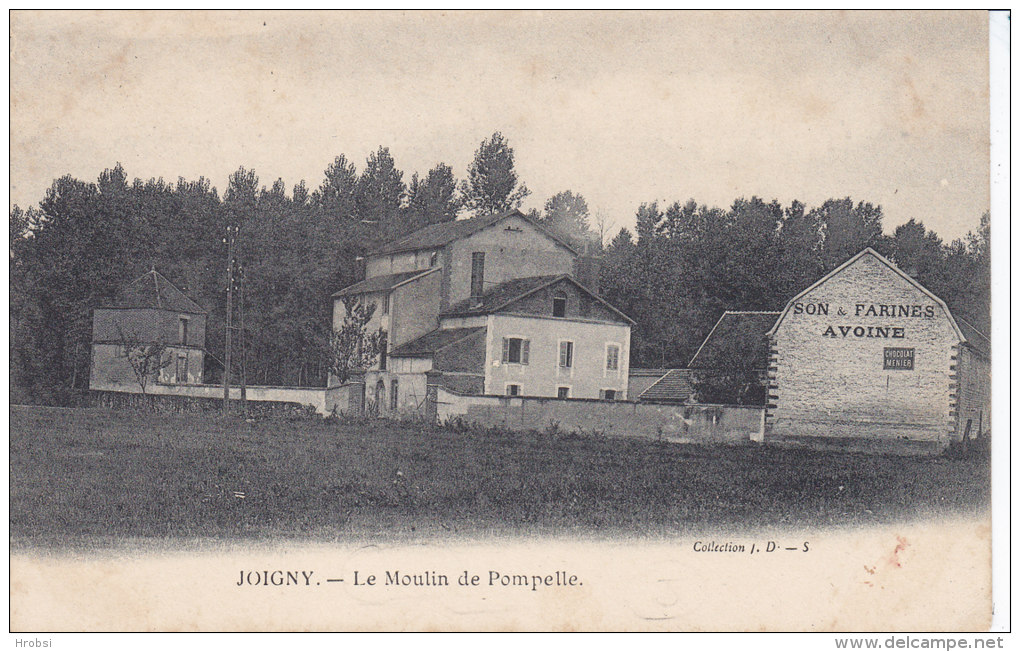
{"x":513,"y":390}
{"x":386,"y":304}
{"x":182,"y":330}
{"x":477,"y":274}
{"x":566,"y":354}
{"x":607,"y":394}
{"x":382,"y":351}
{"x":612,"y":357}
{"x":559,"y":306}
{"x":562,"y":392}
{"x":182,"y":368}
{"x":433,"y":259}
{"x":380,"y":395}
{"x":393,"y":393}
{"x":515,"y":350}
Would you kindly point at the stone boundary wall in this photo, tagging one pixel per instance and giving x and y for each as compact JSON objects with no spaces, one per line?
{"x":709,"y":424}
{"x":173,"y":403}
{"x":346,"y":399}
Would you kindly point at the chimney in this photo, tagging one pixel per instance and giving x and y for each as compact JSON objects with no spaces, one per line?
{"x":586,"y":271}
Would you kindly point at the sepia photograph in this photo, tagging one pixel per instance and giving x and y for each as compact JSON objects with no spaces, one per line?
{"x":519,"y":321}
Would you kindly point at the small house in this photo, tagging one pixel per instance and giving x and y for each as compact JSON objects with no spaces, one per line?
{"x":150,"y":327}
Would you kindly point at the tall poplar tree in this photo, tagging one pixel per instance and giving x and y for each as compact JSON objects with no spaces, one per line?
{"x":492,"y":185}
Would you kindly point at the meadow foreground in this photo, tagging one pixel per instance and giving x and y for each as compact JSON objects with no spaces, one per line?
{"x":95,"y":477}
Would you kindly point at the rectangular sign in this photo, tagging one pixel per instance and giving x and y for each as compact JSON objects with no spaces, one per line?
{"x":898,"y":358}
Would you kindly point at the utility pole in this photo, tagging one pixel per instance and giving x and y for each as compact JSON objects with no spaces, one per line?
{"x":244,"y":355}
{"x":230,"y":299}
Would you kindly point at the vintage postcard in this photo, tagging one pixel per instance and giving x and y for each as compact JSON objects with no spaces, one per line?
{"x":503,"y":321}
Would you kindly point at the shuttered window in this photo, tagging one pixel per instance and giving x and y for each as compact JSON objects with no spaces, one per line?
{"x":612,"y":357}
{"x":516,"y":350}
{"x":566,"y":354}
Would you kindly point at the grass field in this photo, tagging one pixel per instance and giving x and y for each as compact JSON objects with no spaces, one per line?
{"x":95,"y":477}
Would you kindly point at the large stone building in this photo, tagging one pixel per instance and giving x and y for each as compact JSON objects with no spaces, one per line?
{"x":490,"y":305}
{"x":148,"y":314}
{"x":867,"y":355}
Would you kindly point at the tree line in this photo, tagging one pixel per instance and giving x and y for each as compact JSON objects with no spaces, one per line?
{"x":687,"y":263}
{"x":674,"y":274}
{"x":85,"y":241}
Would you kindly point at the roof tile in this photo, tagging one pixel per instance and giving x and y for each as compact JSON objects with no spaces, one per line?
{"x":439,"y":235}
{"x":431,"y":342}
{"x":379,"y":283}
{"x":674,"y":387}
{"x":153,"y":290}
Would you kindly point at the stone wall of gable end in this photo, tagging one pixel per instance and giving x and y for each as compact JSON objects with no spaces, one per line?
{"x":519,"y":252}
{"x":579,"y":304}
{"x":147,"y":325}
{"x":829,"y":371}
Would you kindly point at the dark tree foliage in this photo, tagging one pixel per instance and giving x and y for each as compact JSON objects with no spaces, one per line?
{"x":959,"y":273}
{"x":690,"y":262}
{"x":86,"y":241}
{"x":567,"y":213}
{"x":729,"y":387}
{"x":846,"y":229}
{"x":681,"y":267}
{"x":492,"y":184}
{"x":433,"y":200}
{"x":380,"y":188}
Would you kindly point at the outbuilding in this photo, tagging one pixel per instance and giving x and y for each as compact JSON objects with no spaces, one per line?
{"x":149,"y":318}
{"x":868,"y":358}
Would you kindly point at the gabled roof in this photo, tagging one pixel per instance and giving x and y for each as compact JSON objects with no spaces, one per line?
{"x":646,"y":372}
{"x":501,"y":295}
{"x":674,"y":387}
{"x":885,"y":261}
{"x":738,"y":338}
{"x":975,"y":338}
{"x":437,"y":340}
{"x":508,"y":292}
{"x":153,"y":290}
{"x":381,"y":283}
{"x":439,"y":235}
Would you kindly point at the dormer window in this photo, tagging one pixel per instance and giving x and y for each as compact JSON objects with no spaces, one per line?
{"x":560,"y":305}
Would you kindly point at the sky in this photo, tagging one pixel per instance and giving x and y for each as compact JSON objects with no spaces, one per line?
{"x":889,"y":108}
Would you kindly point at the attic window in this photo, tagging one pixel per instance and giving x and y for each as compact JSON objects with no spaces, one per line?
{"x":515,"y":229}
{"x":560,"y":305}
